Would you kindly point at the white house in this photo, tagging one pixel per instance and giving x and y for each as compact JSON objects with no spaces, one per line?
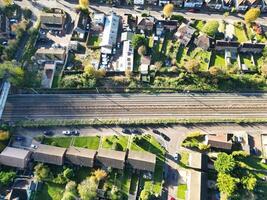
{"x":127,"y":58}
{"x":110,"y":33}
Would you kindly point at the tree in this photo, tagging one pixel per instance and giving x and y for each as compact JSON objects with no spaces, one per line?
{"x":84,"y":4}
{"x":41,"y":172}
{"x":27,"y":13}
{"x":4,"y":135}
{"x":215,"y":71}
{"x":88,"y":189}
{"x":168,"y":10}
{"x":68,"y":173}
{"x":211,"y":28}
{"x":7,"y":2}
{"x":138,"y":40}
{"x":12,"y":72}
{"x":6,"y":177}
{"x":70,"y":192}
{"x":158,"y":65}
{"x":142,"y":50}
{"x":145,"y":195}
{"x":227,"y":185}
{"x":192,"y":66}
{"x":100,"y":174}
{"x":224,"y":163}
{"x":251,"y":15}
{"x":128,"y":73}
{"x":249,"y":182}
{"x":264,"y":70}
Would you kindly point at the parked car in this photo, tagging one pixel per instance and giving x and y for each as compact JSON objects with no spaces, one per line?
{"x":19,"y":138}
{"x":48,"y":133}
{"x":126,"y":131}
{"x":75,"y":132}
{"x":157,"y":132}
{"x":176,"y":156}
{"x":136,"y":131}
{"x":165,"y":137}
{"x":67,"y":132}
{"x":33,"y":146}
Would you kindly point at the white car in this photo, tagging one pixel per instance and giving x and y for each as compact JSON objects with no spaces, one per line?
{"x":33,"y":146}
{"x":176,"y":157}
{"x":66,"y":132}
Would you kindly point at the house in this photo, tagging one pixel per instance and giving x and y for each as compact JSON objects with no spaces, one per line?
{"x":251,"y":48}
{"x":162,"y":25}
{"x":228,"y":4}
{"x":242,"y":138}
{"x":214,"y":4}
{"x":23,"y":189}
{"x":198,"y":161}
{"x":4,"y":26}
{"x":193,"y":3}
{"x":110,"y":33}
{"x":126,"y":61}
{"x":14,"y":157}
{"x":81,"y":25}
{"x":52,"y":21}
{"x":145,"y":24}
{"x":219,"y":142}
{"x":264,"y":6}
{"x":111,"y":158}
{"x":98,"y":22}
{"x":152,"y":2}
{"x":139,"y":2}
{"x":80,"y":156}
{"x":255,"y":3}
{"x":49,"y":154}
{"x":184,"y":34}
{"x":57,"y":55}
{"x":197,"y":183}
{"x":163,"y":2}
{"x":142,"y":160}
{"x":145,"y":63}
{"x":241,"y":5}
{"x":48,"y":75}
{"x":178,"y":3}
{"x":222,"y":45}
{"x":203,"y":41}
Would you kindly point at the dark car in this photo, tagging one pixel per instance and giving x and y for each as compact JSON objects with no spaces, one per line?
{"x":165,"y":137}
{"x":48,"y":133}
{"x":156,"y":131}
{"x":75,"y":132}
{"x":126,"y":131}
{"x":136,"y":131}
{"x":19,"y":138}
{"x":193,"y":10}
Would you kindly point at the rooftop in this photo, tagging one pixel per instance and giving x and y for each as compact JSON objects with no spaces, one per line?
{"x":81,"y":152}
{"x":15,"y":152}
{"x":50,"y":150}
{"x":142,"y":156}
{"x":111,"y":154}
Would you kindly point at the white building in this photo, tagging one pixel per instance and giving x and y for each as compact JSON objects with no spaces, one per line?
{"x":139,"y":2}
{"x":127,"y":58}
{"x":110,"y":33}
{"x":193,"y":3}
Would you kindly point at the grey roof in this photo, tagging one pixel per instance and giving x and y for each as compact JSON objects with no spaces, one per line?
{"x":111,"y":158}
{"x":49,"y":154}
{"x":81,"y":156}
{"x":15,"y":157}
{"x":197,"y":186}
{"x":142,"y":160}
{"x":52,"y":18}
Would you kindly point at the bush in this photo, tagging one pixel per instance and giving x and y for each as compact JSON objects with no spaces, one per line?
{"x":6,"y":177}
{"x":179,"y":18}
{"x":211,"y":28}
{"x":4,"y":135}
{"x":68,"y":173}
{"x":240,"y":154}
{"x":139,"y":40}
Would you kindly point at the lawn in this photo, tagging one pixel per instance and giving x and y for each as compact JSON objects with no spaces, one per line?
{"x":94,"y":40}
{"x":58,"y":141}
{"x":50,"y":191}
{"x":218,"y":60}
{"x":184,"y":159}
{"x":240,"y":33}
{"x":126,"y":181}
{"x":181,"y":53}
{"x":181,"y":191}
{"x":202,"y":56}
{"x":109,"y":142}
{"x":246,"y":59}
{"x":90,"y":142}
{"x":150,"y":144}
{"x":134,"y":183}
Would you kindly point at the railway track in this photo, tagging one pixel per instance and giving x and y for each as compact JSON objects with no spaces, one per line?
{"x":136,"y":106}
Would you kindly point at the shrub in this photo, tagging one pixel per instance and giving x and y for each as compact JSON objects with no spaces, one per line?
{"x":4,"y":135}
{"x":139,"y":40}
{"x":240,"y":154}
{"x":179,"y":18}
{"x":68,"y":173}
{"x":211,"y":28}
{"x":203,"y":147}
{"x":6,"y":177}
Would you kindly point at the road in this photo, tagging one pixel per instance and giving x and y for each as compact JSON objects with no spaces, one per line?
{"x":136,"y":106}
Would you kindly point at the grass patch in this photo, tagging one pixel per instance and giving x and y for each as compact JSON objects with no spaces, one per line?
{"x":115,"y":142}
{"x":126,"y":181}
{"x":90,"y":142}
{"x":134,"y":183}
{"x":184,"y":160}
{"x":202,"y":56}
{"x":58,"y":141}
{"x":218,"y":60}
{"x":240,"y":33}
{"x":50,"y":191}
{"x":181,"y":191}
{"x":94,"y":40}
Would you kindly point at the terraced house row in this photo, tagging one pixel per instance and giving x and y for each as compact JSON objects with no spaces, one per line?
{"x":19,"y":158}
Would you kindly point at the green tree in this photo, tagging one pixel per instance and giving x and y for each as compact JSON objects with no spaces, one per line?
{"x":249,"y":182}
{"x":215,"y":71}
{"x":27,"y":13}
{"x":7,"y":2}
{"x":211,"y":28}
{"x":224,"y":163}
{"x":6,"y":177}
{"x":68,"y":173}
{"x":252,"y":14}
{"x":70,"y":191}
{"x":138,"y":40}
{"x":145,"y":195}
{"x":4,"y":135}
{"x":41,"y":172}
{"x":88,"y":188}
{"x":227,"y":185}
{"x":168,"y":10}
{"x":13,"y":72}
